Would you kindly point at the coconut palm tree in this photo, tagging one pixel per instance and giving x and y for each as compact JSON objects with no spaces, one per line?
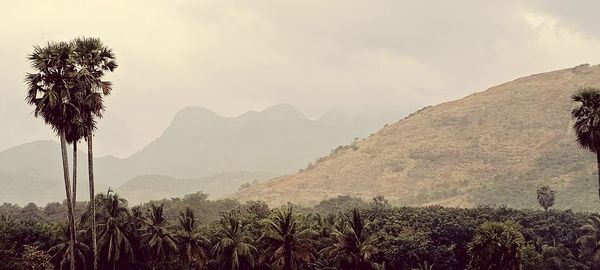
{"x":161,"y":244}
{"x":234,"y":250}
{"x":49,"y":89}
{"x":190,"y":241}
{"x":287,"y":246}
{"x":353,"y":246}
{"x":114,"y":238}
{"x":61,"y":255}
{"x":496,"y":246}
{"x":589,"y":242}
{"x":587,"y":122}
{"x":93,"y":59}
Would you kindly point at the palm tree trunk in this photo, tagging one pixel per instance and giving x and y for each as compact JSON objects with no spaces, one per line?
{"x":92,"y":199}
{"x":598,"y":162}
{"x":75,"y":178}
{"x":65,"y":163}
{"x":287,"y":264}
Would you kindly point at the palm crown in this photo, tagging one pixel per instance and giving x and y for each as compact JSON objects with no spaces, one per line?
{"x":288,"y":246}
{"x":587,"y":118}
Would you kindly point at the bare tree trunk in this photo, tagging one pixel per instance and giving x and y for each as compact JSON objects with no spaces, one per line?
{"x":92,"y":199}
{"x":74,"y":179}
{"x":65,"y":163}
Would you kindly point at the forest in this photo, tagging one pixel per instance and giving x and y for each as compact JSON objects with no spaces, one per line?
{"x":194,"y":232}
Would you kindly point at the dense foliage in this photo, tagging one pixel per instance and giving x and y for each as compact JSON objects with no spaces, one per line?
{"x":342,"y":233}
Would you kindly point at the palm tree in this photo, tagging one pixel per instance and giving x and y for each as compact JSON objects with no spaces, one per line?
{"x":113,"y":230}
{"x":234,"y":250}
{"x":496,"y":246}
{"x":74,"y":132}
{"x":190,"y":241}
{"x":353,"y":246}
{"x":160,"y":242}
{"x":287,"y":246}
{"x":589,"y":242}
{"x":61,"y":255}
{"x":49,"y":90}
{"x":545,"y":196}
{"x":93,"y":60}
{"x":587,"y":122}
{"x":425,"y":266}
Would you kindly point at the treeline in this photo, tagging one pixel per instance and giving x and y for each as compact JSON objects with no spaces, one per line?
{"x":342,"y":233}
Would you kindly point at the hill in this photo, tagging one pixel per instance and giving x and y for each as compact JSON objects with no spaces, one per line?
{"x":199,"y":145}
{"x":493,"y":147}
{"x":157,"y":187}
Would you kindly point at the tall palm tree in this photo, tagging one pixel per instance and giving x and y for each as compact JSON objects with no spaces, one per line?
{"x":161,"y":244}
{"x":287,"y":246}
{"x":191,"y":242}
{"x":353,"y":246}
{"x":234,"y":250}
{"x":93,"y":60}
{"x":74,"y":132}
{"x":587,"y":122}
{"x":49,"y":89}
{"x":113,"y":230}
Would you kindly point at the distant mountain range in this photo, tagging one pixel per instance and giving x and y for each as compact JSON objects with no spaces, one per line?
{"x":200,"y":148}
{"x":495,"y":147}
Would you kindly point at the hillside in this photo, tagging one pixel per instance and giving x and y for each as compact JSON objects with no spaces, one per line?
{"x":156,"y":187}
{"x":493,"y":147}
{"x":199,"y":145}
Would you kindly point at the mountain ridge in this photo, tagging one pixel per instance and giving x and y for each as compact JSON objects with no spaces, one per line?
{"x":197,"y":144}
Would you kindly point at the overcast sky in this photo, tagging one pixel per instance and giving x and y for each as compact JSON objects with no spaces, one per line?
{"x":235,"y":56}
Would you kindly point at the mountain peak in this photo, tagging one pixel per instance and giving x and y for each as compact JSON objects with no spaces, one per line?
{"x":282,"y":112}
{"x":196,"y":112}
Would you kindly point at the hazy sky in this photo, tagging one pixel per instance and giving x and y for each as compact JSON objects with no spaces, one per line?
{"x":234,"y":56}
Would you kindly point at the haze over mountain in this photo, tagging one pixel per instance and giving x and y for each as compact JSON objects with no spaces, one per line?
{"x":197,"y":148}
{"x":493,"y":147}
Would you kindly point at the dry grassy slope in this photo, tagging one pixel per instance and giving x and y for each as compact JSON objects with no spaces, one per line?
{"x":492,"y":147}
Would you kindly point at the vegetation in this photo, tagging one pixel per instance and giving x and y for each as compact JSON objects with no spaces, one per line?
{"x":342,"y":233}
{"x":66,"y":89}
{"x":545,"y":197}
{"x":496,"y":246}
{"x":587,"y":122}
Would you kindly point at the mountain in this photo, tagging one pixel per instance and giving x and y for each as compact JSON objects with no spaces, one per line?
{"x":199,"y":145}
{"x":493,"y":148}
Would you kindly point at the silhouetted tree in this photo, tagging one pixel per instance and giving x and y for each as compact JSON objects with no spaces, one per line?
{"x":353,"y":247}
{"x":50,"y":90}
{"x":160,"y":243}
{"x":587,"y":122}
{"x":191,"y":242}
{"x":93,"y":59}
{"x":287,"y":246}
{"x":234,"y":249}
